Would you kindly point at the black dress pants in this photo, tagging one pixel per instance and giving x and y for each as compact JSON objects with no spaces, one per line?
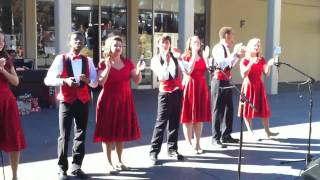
{"x":168,"y":116}
{"x":222,"y":109}
{"x":77,"y":112}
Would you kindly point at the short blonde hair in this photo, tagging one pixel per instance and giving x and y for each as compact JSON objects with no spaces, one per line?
{"x":250,"y":44}
{"x":224,"y":31}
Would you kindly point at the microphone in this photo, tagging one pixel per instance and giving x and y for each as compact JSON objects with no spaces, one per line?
{"x":142,"y":61}
{"x":141,"y":57}
{"x":276,"y":53}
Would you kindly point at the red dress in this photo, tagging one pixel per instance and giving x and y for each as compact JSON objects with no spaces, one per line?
{"x":254,"y":89}
{"x":196,"y":97}
{"x":11,"y":133}
{"x":116,"y":118}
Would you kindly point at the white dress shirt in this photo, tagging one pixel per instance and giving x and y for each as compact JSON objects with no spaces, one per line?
{"x":163,"y":70}
{"x":219,"y":56}
{"x":53,"y":79}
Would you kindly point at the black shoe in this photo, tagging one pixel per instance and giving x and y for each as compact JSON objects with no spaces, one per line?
{"x":176,"y":155}
{"x":218,"y":143}
{"x":79,"y":174}
{"x":153,"y":159}
{"x":229,"y":139}
{"x":62,"y":175}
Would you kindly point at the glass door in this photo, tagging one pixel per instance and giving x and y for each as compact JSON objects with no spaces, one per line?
{"x":145,"y":43}
{"x":85,"y":18}
{"x":114,"y":21}
{"x":11,"y":24}
{"x":155,"y":18}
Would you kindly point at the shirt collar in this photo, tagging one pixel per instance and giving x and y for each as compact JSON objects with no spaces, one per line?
{"x":224,"y":43}
{"x":73,"y":56}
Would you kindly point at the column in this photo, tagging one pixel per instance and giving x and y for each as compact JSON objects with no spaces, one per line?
{"x":133,"y":8}
{"x":186,"y":21}
{"x":133,"y":51}
{"x":30,"y":30}
{"x":273,"y":40}
{"x":62,"y":21}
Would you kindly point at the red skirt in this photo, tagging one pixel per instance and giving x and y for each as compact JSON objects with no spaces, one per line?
{"x":196,"y":101}
{"x":116,"y":118}
{"x":11,"y":132}
{"x":256,"y":94}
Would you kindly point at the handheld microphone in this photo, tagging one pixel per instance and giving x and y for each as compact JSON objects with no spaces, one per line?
{"x":276,"y":53}
{"x":141,"y":57}
{"x":141,"y":60}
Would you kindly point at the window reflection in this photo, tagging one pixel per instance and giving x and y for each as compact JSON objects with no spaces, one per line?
{"x":114,"y":21}
{"x":200,"y":19}
{"x":45,"y":33}
{"x":163,"y":20}
{"x":11,"y":23}
{"x":166,"y":22}
{"x":85,"y":19}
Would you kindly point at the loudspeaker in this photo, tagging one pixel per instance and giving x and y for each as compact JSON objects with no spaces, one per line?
{"x":313,"y":171}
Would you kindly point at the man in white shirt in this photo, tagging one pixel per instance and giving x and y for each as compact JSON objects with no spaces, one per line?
{"x":221,"y":95}
{"x":74,"y":73}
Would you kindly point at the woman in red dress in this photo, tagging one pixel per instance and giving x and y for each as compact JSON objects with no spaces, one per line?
{"x":116,"y":115}
{"x":196,"y":97}
{"x":251,"y":68}
{"x":11,"y":134}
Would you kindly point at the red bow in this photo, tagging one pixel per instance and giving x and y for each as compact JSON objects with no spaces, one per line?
{"x":76,"y":57}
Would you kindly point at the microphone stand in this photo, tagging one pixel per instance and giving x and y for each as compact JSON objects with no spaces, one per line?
{"x":243,"y":99}
{"x":310,"y":82}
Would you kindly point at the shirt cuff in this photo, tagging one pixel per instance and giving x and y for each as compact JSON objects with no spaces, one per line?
{"x":60,"y":82}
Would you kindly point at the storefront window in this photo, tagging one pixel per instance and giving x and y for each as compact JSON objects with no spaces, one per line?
{"x":45,"y":33}
{"x":114,"y":21}
{"x":11,"y":23}
{"x":166,"y":16}
{"x":85,"y":18}
{"x":199,"y":19}
{"x":145,"y":34}
{"x":151,"y":26}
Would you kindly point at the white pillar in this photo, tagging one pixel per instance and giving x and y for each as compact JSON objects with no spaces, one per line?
{"x":30,"y":30}
{"x":186,"y":21}
{"x":273,"y":40}
{"x":62,"y":23}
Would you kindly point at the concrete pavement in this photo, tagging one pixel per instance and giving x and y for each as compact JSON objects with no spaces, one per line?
{"x":261,"y":159}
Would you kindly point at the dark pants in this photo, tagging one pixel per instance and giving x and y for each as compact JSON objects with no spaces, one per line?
{"x":222,"y":109}
{"x":169,"y":109}
{"x":78,"y":112}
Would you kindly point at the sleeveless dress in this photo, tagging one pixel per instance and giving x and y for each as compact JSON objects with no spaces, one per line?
{"x":196,"y":96}
{"x":254,"y":89}
{"x":116,"y":118}
{"x":11,"y":132}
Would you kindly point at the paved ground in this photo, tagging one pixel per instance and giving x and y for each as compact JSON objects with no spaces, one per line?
{"x":261,"y":159}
